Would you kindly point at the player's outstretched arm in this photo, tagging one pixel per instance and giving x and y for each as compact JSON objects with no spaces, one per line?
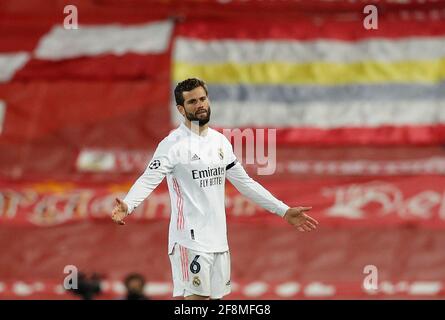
{"x":119,"y":212}
{"x":298,"y":218}
{"x":160,"y":165}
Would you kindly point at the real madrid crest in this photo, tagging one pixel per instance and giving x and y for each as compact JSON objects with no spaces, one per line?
{"x":221,"y":153}
{"x":196,"y":282}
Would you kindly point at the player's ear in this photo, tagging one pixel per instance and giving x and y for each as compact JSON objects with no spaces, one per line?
{"x":181,"y":109}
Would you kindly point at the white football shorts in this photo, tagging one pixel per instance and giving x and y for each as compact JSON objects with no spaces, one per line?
{"x":200,"y":273}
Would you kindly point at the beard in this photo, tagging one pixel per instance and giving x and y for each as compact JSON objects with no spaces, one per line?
{"x":202,"y":121}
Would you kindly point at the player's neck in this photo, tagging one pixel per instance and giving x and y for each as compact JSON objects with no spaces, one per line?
{"x":196,"y":128}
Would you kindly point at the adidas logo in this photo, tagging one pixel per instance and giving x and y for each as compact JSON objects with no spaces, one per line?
{"x":195,"y":157}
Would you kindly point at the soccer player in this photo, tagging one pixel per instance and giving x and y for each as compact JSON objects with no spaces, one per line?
{"x":196,"y":160}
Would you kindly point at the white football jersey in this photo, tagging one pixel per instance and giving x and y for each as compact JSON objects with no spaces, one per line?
{"x":196,"y":167}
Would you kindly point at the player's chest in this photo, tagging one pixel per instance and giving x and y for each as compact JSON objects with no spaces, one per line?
{"x":203,"y":165}
{"x":196,"y":155}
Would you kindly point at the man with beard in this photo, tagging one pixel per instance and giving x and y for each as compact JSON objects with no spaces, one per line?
{"x":196,"y":160}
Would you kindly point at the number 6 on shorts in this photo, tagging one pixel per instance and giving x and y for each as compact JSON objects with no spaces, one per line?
{"x":195,"y":267}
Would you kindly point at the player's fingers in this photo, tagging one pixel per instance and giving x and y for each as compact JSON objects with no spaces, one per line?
{"x":312,"y":220}
{"x":306,"y":227}
{"x":118,"y":221}
{"x":310,"y":225}
{"x":300,"y":228}
{"x":304,"y":209}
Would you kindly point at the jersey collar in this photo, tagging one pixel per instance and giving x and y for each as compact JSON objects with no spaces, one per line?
{"x":188,"y":131}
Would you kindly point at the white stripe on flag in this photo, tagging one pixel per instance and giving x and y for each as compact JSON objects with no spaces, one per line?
{"x":10,"y":63}
{"x":2,"y":114}
{"x":233,"y":114}
{"x":250,"y":51}
{"x":116,"y":39}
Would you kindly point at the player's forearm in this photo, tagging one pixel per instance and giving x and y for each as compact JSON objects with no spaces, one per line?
{"x":256,"y":192}
{"x":140,"y":190}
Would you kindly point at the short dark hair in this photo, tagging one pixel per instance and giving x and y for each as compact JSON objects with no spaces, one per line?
{"x":188,"y":85}
{"x":134,"y":276}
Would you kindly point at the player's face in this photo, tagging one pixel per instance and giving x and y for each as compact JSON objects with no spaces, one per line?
{"x":197,"y":105}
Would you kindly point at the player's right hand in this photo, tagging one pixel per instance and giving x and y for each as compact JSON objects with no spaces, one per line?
{"x":119,"y":212}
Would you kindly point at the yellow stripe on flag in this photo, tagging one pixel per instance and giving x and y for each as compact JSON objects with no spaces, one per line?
{"x":314,"y":73}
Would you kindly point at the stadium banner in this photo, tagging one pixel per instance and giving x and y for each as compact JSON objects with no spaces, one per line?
{"x":61,"y":43}
{"x":297,"y":162}
{"x":92,"y":52}
{"x":316,"y":85}
{"x":64,"y":90}
{"x":10,"y":63}
{"x":359,"y":201}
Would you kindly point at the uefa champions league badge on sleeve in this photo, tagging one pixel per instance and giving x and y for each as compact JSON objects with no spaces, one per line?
{"x":154,"y":164}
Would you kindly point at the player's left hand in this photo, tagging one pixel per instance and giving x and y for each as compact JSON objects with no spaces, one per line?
{"x":298,"y":218}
